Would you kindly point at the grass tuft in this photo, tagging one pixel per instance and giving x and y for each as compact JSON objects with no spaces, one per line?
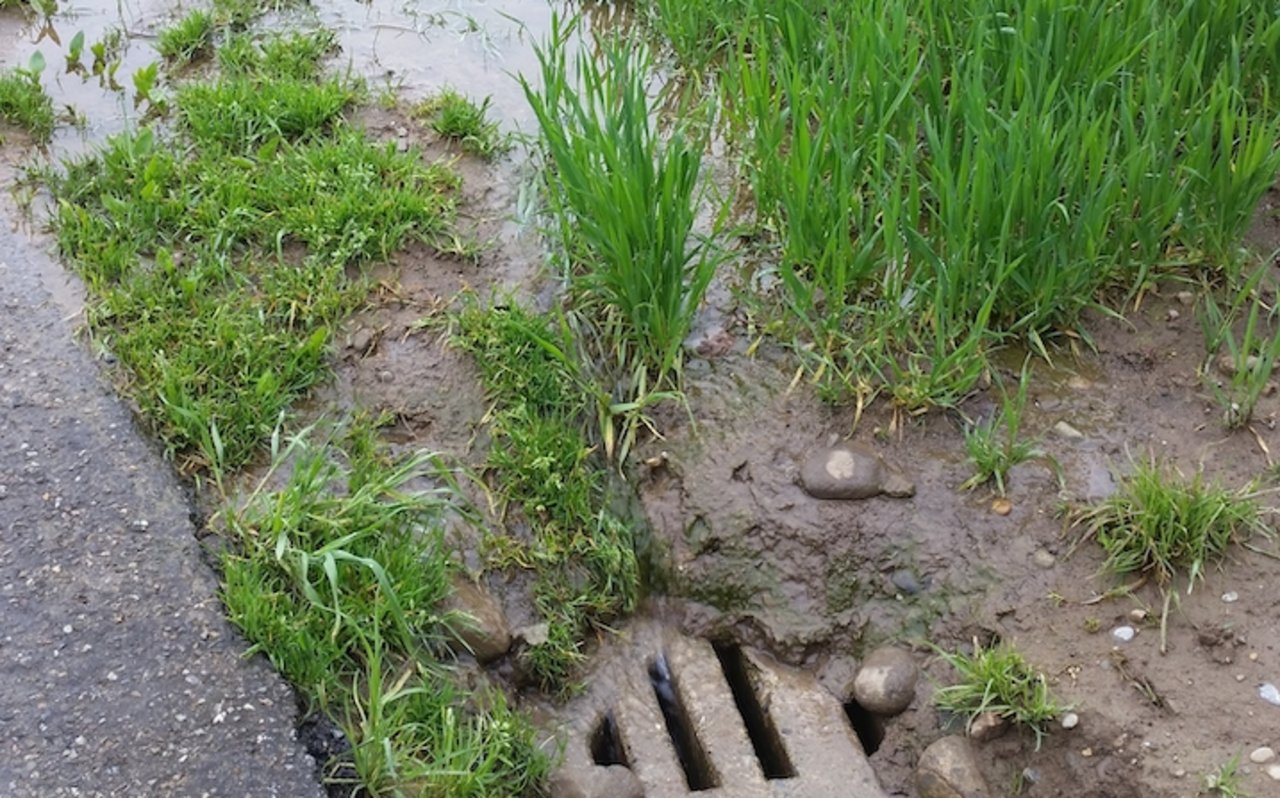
{"x":456,"y":117}
{"x":1164,"y":526}
{"x":24,"y":102}
{"x":997,"y":679}
{"x":189,"y":39}
{"x":1225,"y":781}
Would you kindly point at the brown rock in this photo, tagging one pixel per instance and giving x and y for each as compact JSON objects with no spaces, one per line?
{"x":988,"y":726}
{"x":947,"y":769}
{"x":886,"y":683}
{"x":483,"y":632}
{"x":851,"y":471}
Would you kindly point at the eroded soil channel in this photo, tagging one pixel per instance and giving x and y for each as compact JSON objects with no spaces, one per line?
{"x":735,"y":670}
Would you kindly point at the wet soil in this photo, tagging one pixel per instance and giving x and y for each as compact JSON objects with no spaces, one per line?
{"x":746,"y":555}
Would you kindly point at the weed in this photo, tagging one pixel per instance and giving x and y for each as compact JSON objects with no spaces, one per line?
{"x":1162,"y":526}
{"x":217,"y":288}
{"x":23,"y":100}
{"x":994,"y":445}
{"x":456,"y":117}
{"x":191,"y":38}
{"x":1249,"y":359}
{"x":997,"y":679}
{"x":1225,"y":781}
{"x":583,"y":554}
{"x":623,"y":202}
{"x":337,"y":575}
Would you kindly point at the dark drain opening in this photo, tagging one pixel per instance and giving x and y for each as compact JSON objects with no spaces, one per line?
{"x":606,"y":743}
{"x":868,"y":727}
{"x":770,"y":751}
{"x":693,"y":759}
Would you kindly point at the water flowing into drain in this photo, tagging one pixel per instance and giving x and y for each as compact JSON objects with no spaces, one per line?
{"x":606,"y":743}
{"x":698,"y":773}
{"x":770,"y":751}
{"x":868,"y":727}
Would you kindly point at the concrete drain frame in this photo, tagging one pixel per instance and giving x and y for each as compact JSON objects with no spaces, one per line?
{"x":690,"y":718}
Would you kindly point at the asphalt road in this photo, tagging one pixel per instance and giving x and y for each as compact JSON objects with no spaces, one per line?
{"x":119,"y":675}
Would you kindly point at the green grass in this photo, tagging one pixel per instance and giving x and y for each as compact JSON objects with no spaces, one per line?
{"x":218,"y":258}
{"x":24,"y":102}
{"x":1238,"y":337}
{"x":189,"y":39}
{"x":545,"y":469}
{"x":994,"y":445}
{"x":336,"y":573}
{"x":997,"y":679}
{"x":1164,"y":526}
{"x":456,"y":117}
{"x":931,"y":178}
{"x":1225,"y":781}
{"x":622,"y":197}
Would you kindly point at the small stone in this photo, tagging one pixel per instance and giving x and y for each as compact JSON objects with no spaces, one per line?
{"x":534,"y":635}
{"x":1253,"y":656}
{"x":1269,"y":693}
{"x":1173,"y":314}
{"x":947,"y":769}
{"x":1086,"y":752}
{"x":1137,"y":615}
{"x":905,"y":582}
{"x":1031,"y":775}
{"x":1231,"y":597}
{"x":886,"y":682}
{"x":1124,"y":633}
{"x":1262,"y":755}
{"x":483,"y":631}
{"x":1180,"y":773}
{"x":851,"y":471}
{"x":1185,"y":297}
{"x":1274,"y":772}
{"x":1043,"y":559}
{"x":988,"y":726}
{"x":1001,"y":506}
{"x":1064,"y":430}
{"x":1070,"y":720}
{"x":386,"y":376}
{"x":360,"y":340}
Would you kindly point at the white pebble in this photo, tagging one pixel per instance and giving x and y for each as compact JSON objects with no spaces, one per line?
{"x":1262,"y":755}
{"x":1123,"y":633}
{"x":1274,"y":772}
{"x":1070,"y":720}
{"x":1231,"y":597}
{"x":1269,"y":693}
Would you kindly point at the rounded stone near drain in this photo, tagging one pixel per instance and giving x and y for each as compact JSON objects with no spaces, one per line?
{"x":948,"y":769}
{"x":886,"y":682}
{"x":851,"y":471}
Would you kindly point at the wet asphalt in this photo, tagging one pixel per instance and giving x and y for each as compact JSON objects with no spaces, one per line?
{"x":119,"y":675}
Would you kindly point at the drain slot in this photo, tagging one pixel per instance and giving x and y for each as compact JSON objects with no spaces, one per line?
{"x":698,"y":773}
{"x":770,"y":751}
{"x":868,"y":727}
{"x":606,"y":743}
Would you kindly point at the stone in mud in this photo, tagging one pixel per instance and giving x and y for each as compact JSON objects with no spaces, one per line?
{"x":886,"y":683}
{"x":947,"y":769}
{"x":987,"y":727}
{"x":851,"y":471}
{"x":612,"y":781}
{"x":484,"y":633}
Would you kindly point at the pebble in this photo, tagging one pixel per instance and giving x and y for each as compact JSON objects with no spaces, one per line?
{"x":1185,"y":297}
{"x":1231,"y":597}
{"x":1274,"y":772}
{"x":1070,"y":720}
{"x":886,"y":682}
{"x":1138,"y":615}
{"x":1262,"y":755}
{"x":947,"y":769}
{"x":1124,"y":633}
{"x":1269,"y":693}
{"x":1064,"y":430}
{"x":1043,"y":558}
{"x":988,"y":726}
{"x":905,"y":582}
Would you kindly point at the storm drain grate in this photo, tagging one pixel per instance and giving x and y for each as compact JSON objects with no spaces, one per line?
{"x":689,"y":718}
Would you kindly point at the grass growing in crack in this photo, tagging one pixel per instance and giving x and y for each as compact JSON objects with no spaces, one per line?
{"x":336,"y":574}
{"x":930,"y":177}
{"x":994,"y":445}
{"x":190,"y":38}
{"x":1249,"y":357}
{"x":1164,"y":526}
{"x":456,"y":117}
{"x":998,"y":679}
{"x":582,"y":552}
{"x":1225,"y":781}
{"x":24,"y":102}
{"x":623,"y":200}
{"x":218,"y":258}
